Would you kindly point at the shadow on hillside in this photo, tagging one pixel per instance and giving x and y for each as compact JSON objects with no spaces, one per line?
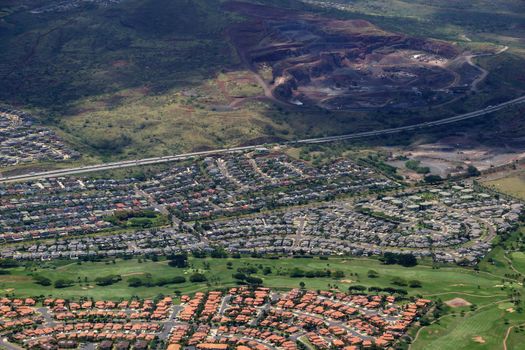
{"x":53,"y":60}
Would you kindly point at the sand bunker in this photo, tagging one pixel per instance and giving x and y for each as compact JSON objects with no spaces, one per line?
{"x":479,"y":339}
{"x":457,"y":302}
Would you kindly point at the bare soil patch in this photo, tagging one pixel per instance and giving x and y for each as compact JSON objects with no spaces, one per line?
{"x":457,"y":302}
{"x":347,"y":64}
{"x":479,"y":339}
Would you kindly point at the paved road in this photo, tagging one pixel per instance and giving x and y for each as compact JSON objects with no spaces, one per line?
{"x":48,"y":319}
{"x":5,"y":344}
{"x":185,"y":156}
{"x":298,"y":237}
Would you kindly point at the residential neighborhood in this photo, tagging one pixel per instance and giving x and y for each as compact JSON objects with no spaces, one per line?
{"x":262,"y":175}
{"x":256,"y":202}
{"x":21,"y":141}
{"x":73,"y":205}
{"x":239,"y":318}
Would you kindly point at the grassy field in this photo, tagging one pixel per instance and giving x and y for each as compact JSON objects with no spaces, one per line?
{"x":516,"y":338}
{"x":518,"y":260}
{"x":486,"y":326}
{"x":481,"y":329}
{"x":443,"y":281}
{"x":513,"y":184}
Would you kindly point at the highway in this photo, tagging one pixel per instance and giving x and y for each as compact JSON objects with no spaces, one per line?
{"x":185,"y":156}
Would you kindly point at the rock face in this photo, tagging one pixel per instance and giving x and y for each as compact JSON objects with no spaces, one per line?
{"x":343,"y":64}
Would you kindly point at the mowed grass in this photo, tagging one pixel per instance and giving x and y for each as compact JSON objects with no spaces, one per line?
{"x":486,"y":326}
{"x":518,"y":261}
{"x":482,"y":329}
{"x":445,"y":282}
{"x":516,"y":338}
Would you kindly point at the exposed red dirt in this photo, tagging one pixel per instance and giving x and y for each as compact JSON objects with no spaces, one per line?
{"x":344,"y":64}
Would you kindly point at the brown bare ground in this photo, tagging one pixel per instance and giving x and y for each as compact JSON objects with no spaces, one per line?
{"x":479,"y":339}
{"x":457,"y":302}
{"x":334,"y":74}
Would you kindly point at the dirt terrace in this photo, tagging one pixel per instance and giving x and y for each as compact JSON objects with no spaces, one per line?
{"x":347,"y":64}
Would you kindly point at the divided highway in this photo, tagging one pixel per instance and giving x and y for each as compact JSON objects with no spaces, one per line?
{"x":165,"y":159}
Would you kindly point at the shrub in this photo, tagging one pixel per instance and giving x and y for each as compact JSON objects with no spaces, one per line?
{"x":198,"y":277}
{"x":63,"y":283}
{"x":254,"y":280}
{"x":415,"y":284}
{"x":108,"y":280}
{"x":398,"y":281}
{"x":41,"y":280}
{"x":239,"y":276}
{"x":134,"y":282}
{"x":372,"y":274}
{"x":178,"y":260}
{"x":8,"y":263}
{"x":339,"y":274}
{"x":356,"y":288}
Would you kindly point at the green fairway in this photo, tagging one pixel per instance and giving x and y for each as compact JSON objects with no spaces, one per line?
{"x":483,"y":329}
{"x":443,"y":282}
{"x":518,"y":261}
{"x":516,"y":338}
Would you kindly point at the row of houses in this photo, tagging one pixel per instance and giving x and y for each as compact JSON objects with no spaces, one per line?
{"x":59,"y":323}
{"x":69,"y":205}
{"x":450,"y":223}
{"x":21,"y":141}
{"x":247,"y":318}
{"x":159,"y":242}
{"x":64,"y":206}
{"x":236,"y":184}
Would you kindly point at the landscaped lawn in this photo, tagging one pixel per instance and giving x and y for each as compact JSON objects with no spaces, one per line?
{"x":482,"y":329}
{"x":444,"y":282}
{"x":518,"y":260}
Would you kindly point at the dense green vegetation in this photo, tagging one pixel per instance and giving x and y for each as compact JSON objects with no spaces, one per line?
{"x":137,"y":219}
{"x":415,"y":165}
{"x":94,"y":50}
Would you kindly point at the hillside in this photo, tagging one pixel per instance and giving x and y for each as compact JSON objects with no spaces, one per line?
{"x":131,"y":78}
